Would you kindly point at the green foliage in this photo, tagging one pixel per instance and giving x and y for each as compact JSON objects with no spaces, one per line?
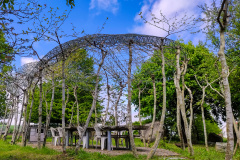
{"x":7,"y":4}
{"x":71,"y":3}
{"x":211,"y":127}
{"x":5,"y":59}
{"x":201,"y":63}
{"x":79,"y":72}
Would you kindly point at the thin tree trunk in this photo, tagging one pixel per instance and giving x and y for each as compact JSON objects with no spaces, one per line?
{"x":238,"y":140}
{"x":129,"y":115}
{"x":25,"y":119}
{"x":8,"y":125}
{"x":237,"y":133}
{"x":40,"y":109}
{"x":50,"y":111}
{"x":30,"y":113}
{"x":94,"y":101}
{"x":179,"y":127}
{"x":70,"y":124}
{"x":108,"y":93}
{"x":181,"y":101}
{"x":154,"y":110}
{"x":95,"y":115}
{"x":20,"y":117}
{"x":15,"y":104}
{"x":191,"y":115}
{"x":139,"y":113}
{"x":75,"y":95}
{"x":5,"y":115}
{"x":63,"y":105}
{"x":202,"y":110}
{"x":203,"y":119}
{"x":116,"y":104}
{"x":160,"y":131}
{"x":20,"y":132}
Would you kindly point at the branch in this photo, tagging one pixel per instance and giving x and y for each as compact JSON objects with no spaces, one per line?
{"x":219,"y":14}
{"x":197,"y":81}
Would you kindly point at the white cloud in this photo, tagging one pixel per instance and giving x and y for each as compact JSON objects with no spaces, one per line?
{"x":170,"y":9}
{"x":107,"y":5}
{"x":25,"y":60}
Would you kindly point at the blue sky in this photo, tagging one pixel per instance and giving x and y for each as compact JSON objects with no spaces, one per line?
{"x":89,"y":15}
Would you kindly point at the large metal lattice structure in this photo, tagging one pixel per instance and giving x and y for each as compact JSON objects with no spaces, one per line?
{"x":95,"y":41}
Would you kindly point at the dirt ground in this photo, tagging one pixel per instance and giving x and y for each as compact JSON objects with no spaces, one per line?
{"x":114,"y":152}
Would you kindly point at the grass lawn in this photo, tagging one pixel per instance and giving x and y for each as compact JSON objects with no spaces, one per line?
{"x":16,"y":152}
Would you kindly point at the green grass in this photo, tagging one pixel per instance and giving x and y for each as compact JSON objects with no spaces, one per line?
{"x":16,"y":152}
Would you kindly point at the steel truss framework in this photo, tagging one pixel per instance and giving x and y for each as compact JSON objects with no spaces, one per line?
{"x":95,"y":41}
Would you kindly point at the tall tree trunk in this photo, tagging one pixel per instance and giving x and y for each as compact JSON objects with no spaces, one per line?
{"x":139,"y":112}
{"x":48,"y":119}
{"x":20,"y":117}
{"x":108,"y":101}
{"x":95,"y":115}
{"x":237,"y":131}
{"x":160,"y":131}
{"x":70,"y":124}
{"x":4,"y":118}
{"x":8,"y":124}
{"x":24,"y":127}
{"x":191,"y":115}
{"x":40,"y":108}
{"x":181,"y":101}
{"x":15,"y":104}
{"x":30,"y":114}
{"x":154,"y":109}
{"x":203,"y":118}
{"x":94,"y":100}
{"x":129,"y":115}
{"x":116,"y":104}
{"x":224,"y":75}
{"x":75,"y":95}
{"x":179,"y":127}
{"x":63,"y":105}
{"x":139,"y":105}
{"x":202,"y":110}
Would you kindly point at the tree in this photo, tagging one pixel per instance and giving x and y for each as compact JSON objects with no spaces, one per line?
{"x":220,"y":17}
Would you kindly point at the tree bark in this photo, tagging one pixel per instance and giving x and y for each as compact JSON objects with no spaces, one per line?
{"x":181,"y":100}
{"x":70,"y":124}
{"x":30,"y":114}
{"x":116,"y":104}
{"x":75,"y":95}
{"x":48,"y":119}
{"x":154,"y":109}
{"x":203,"y":118}
{"x":5,"y":116}
{"x":8,"y":124}
{"x":63,"y":105}
{"x":24,"y":127}
{"x":134,"y":150}
{"x":20,"y":117}
{"x":191,"y":115}
{"x":160,"y":131}
{"x":15,"y":104}
{"x":108,"y":94}
{"x":40,"y":109}
{"x":224,"y":75}
{"x":139,"y":112}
